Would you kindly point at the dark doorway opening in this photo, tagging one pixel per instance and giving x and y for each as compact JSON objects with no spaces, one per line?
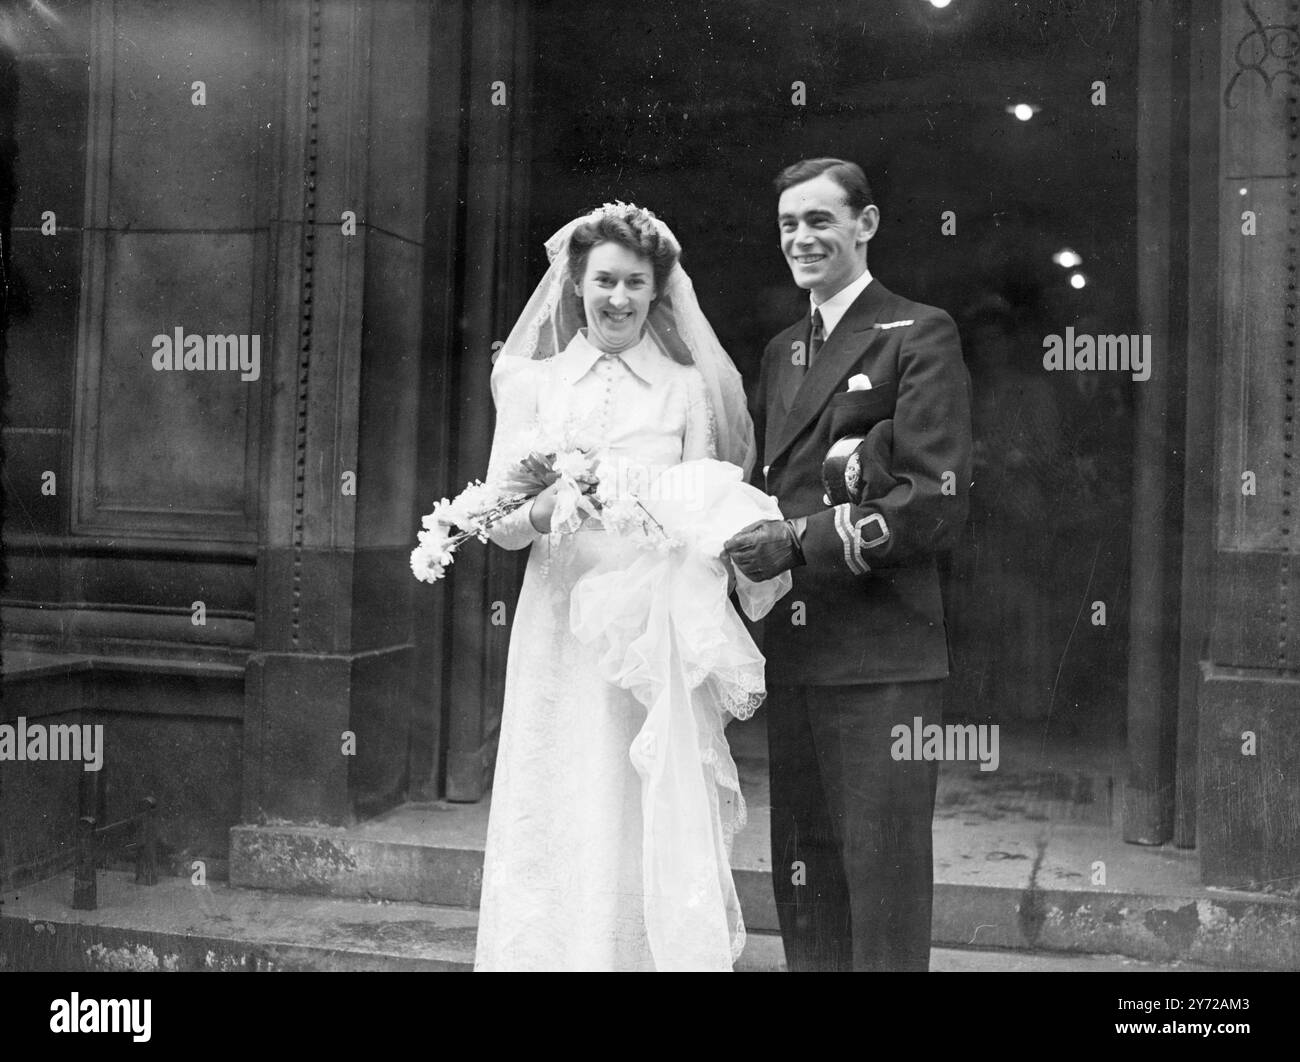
{"x":692,"y":113}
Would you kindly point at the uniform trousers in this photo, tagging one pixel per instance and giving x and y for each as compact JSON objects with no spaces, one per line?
{"x":852,"y":855}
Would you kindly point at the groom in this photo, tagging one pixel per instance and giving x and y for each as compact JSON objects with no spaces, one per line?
{"x":864,"y":647}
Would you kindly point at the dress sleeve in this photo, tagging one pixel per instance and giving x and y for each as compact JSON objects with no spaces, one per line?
{"x":515,"y":383}
{"x":701,"y":438}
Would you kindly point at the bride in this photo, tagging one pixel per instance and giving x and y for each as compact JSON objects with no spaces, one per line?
{"x":615,"y":796}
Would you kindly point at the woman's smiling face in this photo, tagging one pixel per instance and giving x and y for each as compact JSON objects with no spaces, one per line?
{"x":617,"y":290}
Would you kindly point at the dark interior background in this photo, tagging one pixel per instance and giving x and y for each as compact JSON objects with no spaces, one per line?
{"x":685,"y":107}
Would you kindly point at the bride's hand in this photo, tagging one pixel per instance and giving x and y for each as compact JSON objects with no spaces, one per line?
{"x":731,"y":574}
{"x":543,"y":506}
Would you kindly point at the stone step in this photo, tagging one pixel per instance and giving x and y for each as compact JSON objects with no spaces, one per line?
{"x":1015,"y":885}
{"x":176,"y":926}
{"x":319,"y":861}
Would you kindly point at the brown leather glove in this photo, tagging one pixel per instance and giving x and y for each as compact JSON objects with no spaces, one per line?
{"x":765,"y":549}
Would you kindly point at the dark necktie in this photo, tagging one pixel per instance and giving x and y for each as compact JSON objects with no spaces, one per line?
{"x":816,"y":335}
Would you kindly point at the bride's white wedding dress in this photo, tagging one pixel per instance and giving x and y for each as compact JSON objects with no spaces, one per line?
{"x":564,"y":885}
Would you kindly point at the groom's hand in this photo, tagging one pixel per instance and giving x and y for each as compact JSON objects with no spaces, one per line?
{"x":765,"y":549}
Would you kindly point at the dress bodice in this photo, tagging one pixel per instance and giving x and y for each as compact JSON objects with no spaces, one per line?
{"x":638,"y":411}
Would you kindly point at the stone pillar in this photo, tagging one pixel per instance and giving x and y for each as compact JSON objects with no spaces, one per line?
{"x":1249,"y":696}
{"x":495,"y":286}
{"x":335,"y":653}
{"x":1154,"y":605}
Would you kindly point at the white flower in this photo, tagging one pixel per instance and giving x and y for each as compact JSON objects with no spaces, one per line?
{"x":435,"y":541}
{"x":478,"y":497}
{"x":620,"y":514}
{"x":572,"y":463}
{"x":428,"y":566}
{"x":438,"y":517}
{"x":467,"y":509}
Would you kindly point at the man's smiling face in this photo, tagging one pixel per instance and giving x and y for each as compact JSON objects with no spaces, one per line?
{"x":823,"y":240}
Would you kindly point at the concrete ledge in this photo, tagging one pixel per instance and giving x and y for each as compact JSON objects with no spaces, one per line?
{"x":1255,"y":933}
{"x":328,"y":861}
{"x":1003,"y":885}
{"x":174,"y":926}
{"x":21,"y":665}
{"x":177,"y":927}
{"x":24,"y":666}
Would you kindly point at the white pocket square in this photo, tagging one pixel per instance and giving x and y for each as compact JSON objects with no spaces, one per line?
{"x":860,"y":382}
{"x":894,"y":324}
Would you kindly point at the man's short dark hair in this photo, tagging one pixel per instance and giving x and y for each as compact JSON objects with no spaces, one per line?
{"x":848,"y":175}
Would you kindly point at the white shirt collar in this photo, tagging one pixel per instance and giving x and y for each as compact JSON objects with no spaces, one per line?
{"x":834,"y":307}
{"x":644,"y":359}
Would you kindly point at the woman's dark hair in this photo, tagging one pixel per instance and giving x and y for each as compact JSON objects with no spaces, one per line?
{"x":848,"y":175}
{"x":628,"y":226}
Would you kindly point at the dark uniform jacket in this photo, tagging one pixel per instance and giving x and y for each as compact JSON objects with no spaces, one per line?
{"x":871,"y":605}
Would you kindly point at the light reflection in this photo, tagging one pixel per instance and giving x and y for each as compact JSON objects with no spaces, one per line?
{"x":26,"y":19}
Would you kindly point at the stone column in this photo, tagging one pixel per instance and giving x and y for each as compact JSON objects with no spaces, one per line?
{"x":329,"y":691}
{"x":1249,"y":696}
{"x":1153,"y":600}
{"x":495,"y":285}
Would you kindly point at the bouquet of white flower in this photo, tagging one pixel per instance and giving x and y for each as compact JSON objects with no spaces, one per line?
{"x":473,"y":510}
{"x":580,"y":493}
{"x":480,"y":505}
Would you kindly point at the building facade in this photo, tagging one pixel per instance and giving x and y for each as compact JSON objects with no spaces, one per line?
{"x":212,"y":563}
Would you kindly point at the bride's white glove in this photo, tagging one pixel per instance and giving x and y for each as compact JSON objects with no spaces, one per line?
{"x":539,"y":514}
{"x":543,"y":507}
